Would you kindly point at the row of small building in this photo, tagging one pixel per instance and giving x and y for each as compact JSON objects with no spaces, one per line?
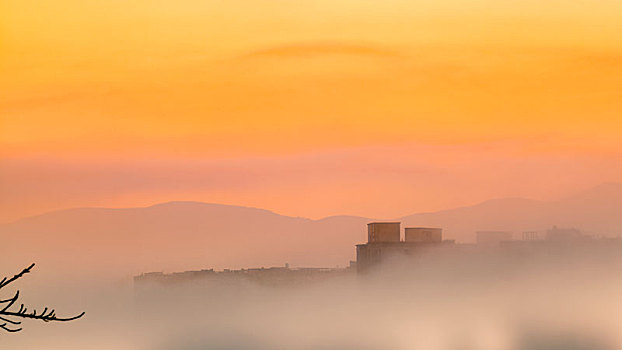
{"x":384,"y":241}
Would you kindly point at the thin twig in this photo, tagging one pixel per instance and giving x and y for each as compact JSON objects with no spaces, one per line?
{"x":6,"y":282}
{"x":6,"y":314}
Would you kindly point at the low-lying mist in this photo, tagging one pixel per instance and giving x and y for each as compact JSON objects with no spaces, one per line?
{"x":488,"y":300}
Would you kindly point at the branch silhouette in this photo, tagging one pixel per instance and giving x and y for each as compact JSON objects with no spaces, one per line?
{"x":8,"y":315}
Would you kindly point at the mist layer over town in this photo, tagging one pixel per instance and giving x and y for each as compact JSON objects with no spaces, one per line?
{"x":556,"y":293}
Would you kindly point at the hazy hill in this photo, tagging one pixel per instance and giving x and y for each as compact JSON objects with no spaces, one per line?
{"x":597,"y":211}
{"x":191,"y":235}
{"x":181,"y":235}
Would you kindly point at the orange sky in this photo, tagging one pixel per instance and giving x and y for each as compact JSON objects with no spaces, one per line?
{"x":311,"y":108}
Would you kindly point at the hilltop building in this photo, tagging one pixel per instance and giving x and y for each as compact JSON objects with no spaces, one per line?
{"x":384,"y":242}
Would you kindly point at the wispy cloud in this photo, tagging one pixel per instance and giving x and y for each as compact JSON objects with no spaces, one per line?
{"x":311,"y":49}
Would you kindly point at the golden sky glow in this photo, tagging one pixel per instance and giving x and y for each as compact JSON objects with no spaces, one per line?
{"x":107,"y":82}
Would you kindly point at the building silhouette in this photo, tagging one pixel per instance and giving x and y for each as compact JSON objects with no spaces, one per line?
{"x":384,"y":243}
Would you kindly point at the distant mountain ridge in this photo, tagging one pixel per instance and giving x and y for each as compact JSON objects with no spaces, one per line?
{"x":185,"y":235}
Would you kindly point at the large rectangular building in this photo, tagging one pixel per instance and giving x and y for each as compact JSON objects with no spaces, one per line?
{"x":423,"y":235}
{"x":384,"y":242}
{"x":383,"y":232}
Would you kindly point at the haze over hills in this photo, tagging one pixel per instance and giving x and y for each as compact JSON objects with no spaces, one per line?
{"x":192,"y":235}
{"x":597,"y":211}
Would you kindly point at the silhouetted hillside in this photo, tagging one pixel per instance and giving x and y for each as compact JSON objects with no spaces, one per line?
{"x":180,"y":235}
{"x":596,"y":211}
{"x":192,"y":235}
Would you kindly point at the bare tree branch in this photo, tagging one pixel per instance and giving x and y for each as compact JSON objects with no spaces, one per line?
{"x":6,"y":314}
{"x":6,"y":282}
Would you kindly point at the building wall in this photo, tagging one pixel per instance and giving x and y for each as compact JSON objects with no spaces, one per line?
{"x":423,"y":235}
{"x":372,"y":254}
{"x":383,"y":232}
